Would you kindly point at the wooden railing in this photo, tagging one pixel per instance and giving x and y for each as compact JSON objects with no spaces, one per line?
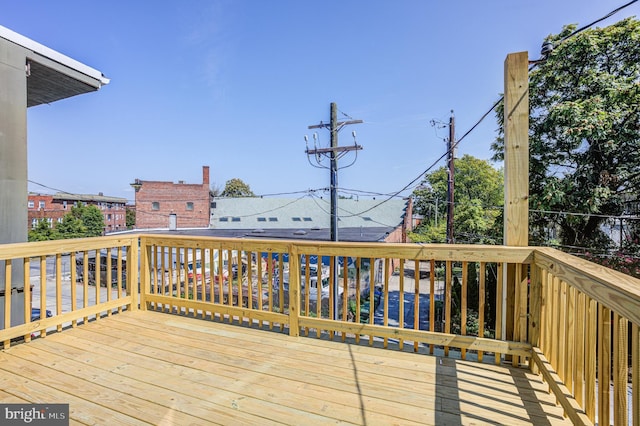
{"x":574,"y":322}
{"x":62,"y":280}
{"x":588,"y":342}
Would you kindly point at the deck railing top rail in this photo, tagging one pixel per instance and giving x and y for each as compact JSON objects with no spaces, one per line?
{"x":615,"y":290}
{"x":50,"y":248}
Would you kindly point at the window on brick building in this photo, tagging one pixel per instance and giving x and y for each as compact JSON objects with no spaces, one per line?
{"x":189,"y":205}
{"x":41,"y":204}
{"x":155,"y":205}
{"x":34,"y":223}
{"x":64,"y":205}
{"x":30,"y":204}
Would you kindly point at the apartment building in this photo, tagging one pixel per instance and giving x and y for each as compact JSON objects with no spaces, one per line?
{"x":53,"y":208}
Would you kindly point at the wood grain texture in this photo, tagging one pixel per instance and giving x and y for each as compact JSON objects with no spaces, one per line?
{"x":141,"y":367}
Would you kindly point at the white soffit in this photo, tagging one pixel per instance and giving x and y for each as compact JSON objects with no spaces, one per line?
{"x":42,"y":50}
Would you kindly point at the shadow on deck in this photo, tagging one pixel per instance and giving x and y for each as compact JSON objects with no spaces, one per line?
{"x":150,"y":367}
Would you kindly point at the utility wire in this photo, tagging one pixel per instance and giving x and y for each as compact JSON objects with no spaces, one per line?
{"x":453,"y":146}
{"x":53,"y":189}
{"x":586,"y":214}
{"x":352,"y":214}
{"x":608,"y":15}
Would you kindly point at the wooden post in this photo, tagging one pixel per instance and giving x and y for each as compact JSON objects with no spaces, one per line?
{"x":132,"y":269}
{"x":516,"y":173}
{"x":294,"y":290}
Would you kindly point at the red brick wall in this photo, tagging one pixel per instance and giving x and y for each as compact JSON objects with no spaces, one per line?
{"x":54,"y":209}
{"x":172,"y":198}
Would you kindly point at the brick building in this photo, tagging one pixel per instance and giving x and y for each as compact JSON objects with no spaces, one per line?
{"x":168,"y":205}
{"x":53,"y":208}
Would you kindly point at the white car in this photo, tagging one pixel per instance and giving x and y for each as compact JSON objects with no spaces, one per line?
{"x":313,"y":288}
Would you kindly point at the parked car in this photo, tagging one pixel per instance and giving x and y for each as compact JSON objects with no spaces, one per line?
{"x":35,"y":314}
{"x":91,"y":268}
{"x":325,"y":288}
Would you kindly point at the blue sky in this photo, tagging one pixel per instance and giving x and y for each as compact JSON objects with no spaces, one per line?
{"x":234,"y":85}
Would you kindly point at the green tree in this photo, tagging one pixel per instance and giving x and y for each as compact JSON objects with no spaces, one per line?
{"x":478,"y":198}
{"x":236,"y":188}
{"x":130,"y":218}
{"x":92,"y":219}
{"x":82,"y":221}
{"x":584,"y":132}
{"x":70,"y":227}
{"x":43,"y":232}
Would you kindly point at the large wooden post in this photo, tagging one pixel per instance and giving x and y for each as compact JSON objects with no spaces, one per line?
{"x":516,"y":187}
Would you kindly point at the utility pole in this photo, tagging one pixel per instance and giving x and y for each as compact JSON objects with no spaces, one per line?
{"x":334,"y":172}
{"x":334,"y":152}
{"x":450,"y":187}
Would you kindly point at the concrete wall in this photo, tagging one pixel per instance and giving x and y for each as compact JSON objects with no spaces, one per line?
{"x":13,"y":143}
{"x":13,"y":153}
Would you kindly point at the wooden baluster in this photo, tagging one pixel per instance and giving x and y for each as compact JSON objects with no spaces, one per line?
{"x":499,"y":308}
{"x":358,"y":291}
{"x":481,"y":303}
{"x":118,"y":280}
{"x":432,"y":300}
{"x":604,"y":364}
{"x":570,"y":354}
{"x":27,"y":295}
{"x":401,"y":302}
{"x":447,"y":308}
{"x":580,"y":349}
{"x":463,"y":306}
{"x":416,"y":300}
{"x":620,"y":370}
{"x":635,"y":374}
{"x":345,"y":293}
{"x":7,"y":298}
{"x":385,"y":294}
{"x":590,"y":358}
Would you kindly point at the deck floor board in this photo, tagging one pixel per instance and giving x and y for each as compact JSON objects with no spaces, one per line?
{"x":146,"y":367}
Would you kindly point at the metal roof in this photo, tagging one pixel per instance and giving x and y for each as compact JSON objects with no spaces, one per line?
{"x":357,"y":235}
{"x":88,"y":197}
{"x":51,"y":75}
{"x":304,"y":213}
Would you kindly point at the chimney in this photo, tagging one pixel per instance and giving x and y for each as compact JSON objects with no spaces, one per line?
{"x":205,"y":175}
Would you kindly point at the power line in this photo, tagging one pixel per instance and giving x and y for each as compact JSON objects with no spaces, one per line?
{"x":492,"y":108}
{"x":51,"y":188}
{"x":586,"y":214}
{"x":608,"y":15}
{"x":352,"y":214}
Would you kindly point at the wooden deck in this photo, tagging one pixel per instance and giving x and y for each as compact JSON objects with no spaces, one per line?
{"x":154,"y":368}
